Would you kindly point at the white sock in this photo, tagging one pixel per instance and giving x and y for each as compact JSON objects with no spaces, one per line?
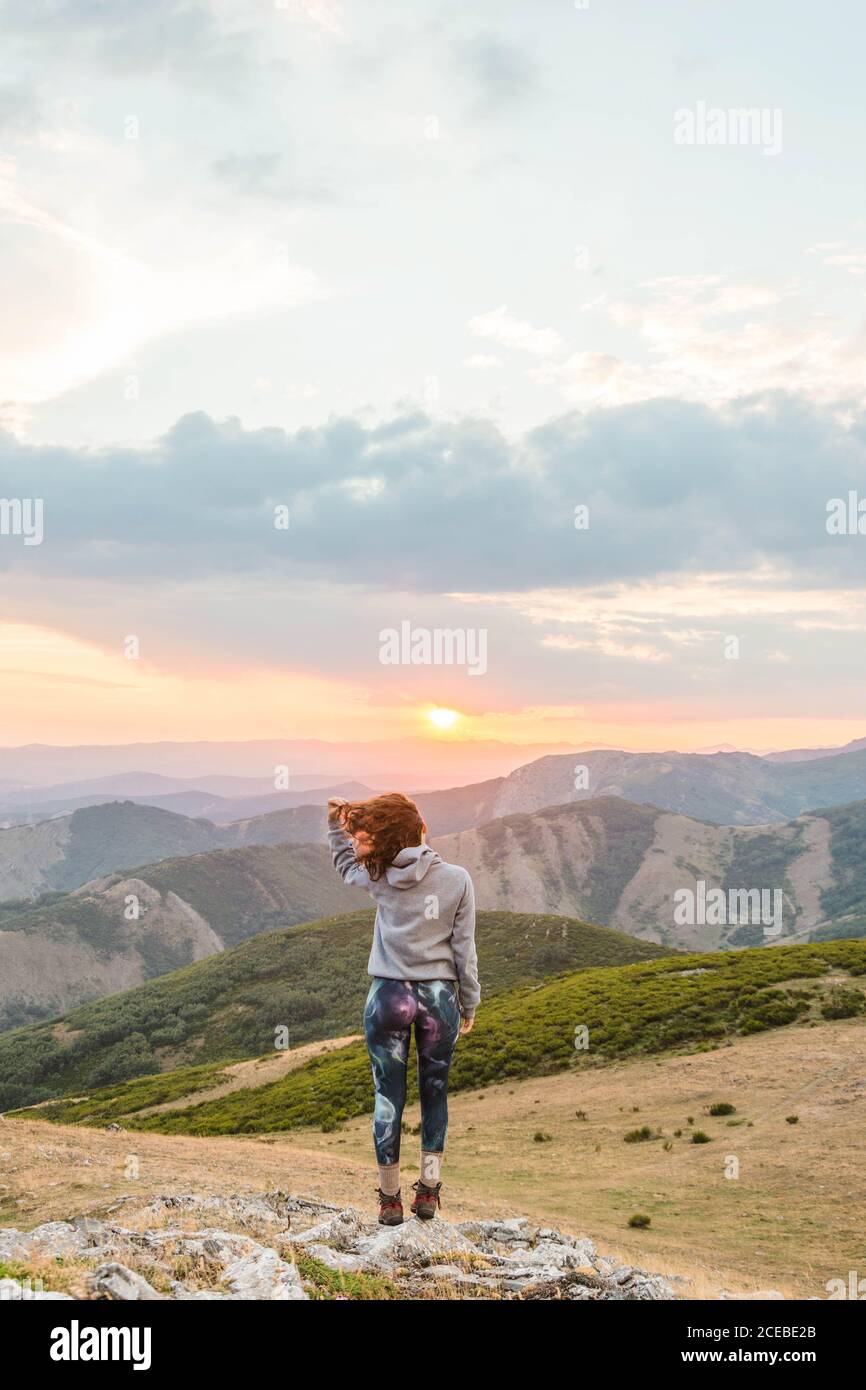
{"x":431,"y":1165}
{"x":389,"y":1179}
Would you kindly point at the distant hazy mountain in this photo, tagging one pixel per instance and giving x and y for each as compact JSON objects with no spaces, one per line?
{"x":404,"y":762}
{"x":219,"y":809}
{"x":275,"y":803}
{"x":620,"y":864}
{"x":298,"y":825}
{"x":792,"y":755}
{"x":62,"y":854}
{"x":727,"y":788}
{"x":137,"y":784}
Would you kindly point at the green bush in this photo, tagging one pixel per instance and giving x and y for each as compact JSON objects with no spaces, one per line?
{"x":843,"y":1003}
{"x":638,"y":1136}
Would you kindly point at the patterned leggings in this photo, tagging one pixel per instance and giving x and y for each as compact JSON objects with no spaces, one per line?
{"x":392,"y":1007}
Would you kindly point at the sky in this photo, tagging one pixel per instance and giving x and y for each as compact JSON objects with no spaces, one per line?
{"x":325,"y":320}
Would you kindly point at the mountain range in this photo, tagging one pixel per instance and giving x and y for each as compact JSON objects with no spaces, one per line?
{"x":622,"y":864}
{"x":604,"y":860}
{"x":408,"y":762}
{"x":310,"y":980}
{"x":724,"y":788}
{"x":728,"y":788}
{"x":109,"y":895}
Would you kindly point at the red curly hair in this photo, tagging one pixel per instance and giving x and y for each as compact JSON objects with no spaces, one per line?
{"x":392,"y":821}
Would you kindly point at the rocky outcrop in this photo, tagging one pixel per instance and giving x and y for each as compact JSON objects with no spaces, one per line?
{"x":248,"y":1248}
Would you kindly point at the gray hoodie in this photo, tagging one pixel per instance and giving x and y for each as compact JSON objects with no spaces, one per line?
{"x":425,"y":917}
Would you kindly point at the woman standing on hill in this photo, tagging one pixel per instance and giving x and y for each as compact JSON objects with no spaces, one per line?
{"x":424,"y":970}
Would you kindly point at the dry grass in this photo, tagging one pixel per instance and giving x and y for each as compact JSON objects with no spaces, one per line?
{"x":790,"y":1221}
{"x":259,"y":1071}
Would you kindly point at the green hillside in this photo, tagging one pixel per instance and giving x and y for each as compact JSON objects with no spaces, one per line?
{"x":530,"y":1031}
{"x":100,"y":839}
{"x":847,"y":838}
{"x":241,"y":892}
{"x":66,"y":949}
{"x":310,"y":979}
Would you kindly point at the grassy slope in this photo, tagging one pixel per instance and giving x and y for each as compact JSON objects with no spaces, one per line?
{"x":650,"y":1007}
{"x":241,"y":892}
{"x":311,"y":980}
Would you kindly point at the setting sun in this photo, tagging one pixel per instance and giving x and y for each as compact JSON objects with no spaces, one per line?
{"x":443,"y":718}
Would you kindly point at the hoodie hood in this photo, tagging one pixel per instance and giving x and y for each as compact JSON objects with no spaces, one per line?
{"x":411,"y":865}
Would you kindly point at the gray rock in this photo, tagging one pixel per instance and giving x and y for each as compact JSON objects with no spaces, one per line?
{"x":413,"y":1243}
{"x":115,"y":1281}
{"x":264,"y":1275}
{"x":514,"y":1228}
{"x":336,"y":1259}
{"x":185,"y":1295}
{"x":342,"y":1231}
{"x":14,"y":1245}
{"x":52,"y":1238}
{"x":560,"y":1254}
{"x":510,"y":1258}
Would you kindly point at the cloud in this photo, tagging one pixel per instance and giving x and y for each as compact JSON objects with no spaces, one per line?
{"x":702,"y":523}
{"x":482,"y":361}
{"x":700,"y":338}
{"x":500,"y":72}
{"x":76,"y":305}
{"x":182,"y":37}
{"x":671,"y":487}
{"x":326,"y":15}
{"x":20,"y":115}
{"x":841,"y":257}
{"x":502,"y":327}
{"x":264,"y":175}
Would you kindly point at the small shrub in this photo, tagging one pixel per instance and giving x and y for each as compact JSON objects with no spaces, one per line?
{"x":638,"y":1136}
{"x":722,"y":1107}
{"x":792,"y":1119}
{"x":842,"y":1003}
{"x":639,"y":1221}
{"x":699,"y":1137}
{"x":539,"y":1137}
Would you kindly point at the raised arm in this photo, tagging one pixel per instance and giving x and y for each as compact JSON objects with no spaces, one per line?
{"x":465,"y":956}
{"x":343,"y":855}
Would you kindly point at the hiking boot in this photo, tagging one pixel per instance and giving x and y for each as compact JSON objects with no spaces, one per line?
{"x":426,"y":1200}
{"x":390,"y":1209}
